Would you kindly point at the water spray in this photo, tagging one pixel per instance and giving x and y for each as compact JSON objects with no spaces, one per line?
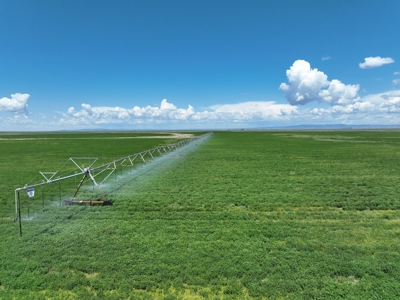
{"x":90,"y":173}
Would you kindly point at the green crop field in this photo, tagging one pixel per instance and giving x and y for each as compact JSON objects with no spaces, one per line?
{"x":244,"y":215}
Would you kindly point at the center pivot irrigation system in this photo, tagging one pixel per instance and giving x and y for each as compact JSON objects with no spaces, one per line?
{"x":62,"y":187}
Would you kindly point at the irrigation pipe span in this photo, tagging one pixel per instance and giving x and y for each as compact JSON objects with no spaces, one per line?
{"x":91,"y":171}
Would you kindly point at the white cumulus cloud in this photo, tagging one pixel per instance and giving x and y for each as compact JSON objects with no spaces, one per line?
{"x":374,"y":62}
{"x":17,"y":104}
{"x":380,"y":98}
{"x":396,"y":81}
{"x":392,"y":105}
{"x":168,"y":113}
{"x":254,"y":109}
{"x":382,"y":108}
{"x":306,"y":85}
{"x":104,"y":114}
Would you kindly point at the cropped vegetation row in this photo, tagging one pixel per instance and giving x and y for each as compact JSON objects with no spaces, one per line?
{"x":245,"y":215}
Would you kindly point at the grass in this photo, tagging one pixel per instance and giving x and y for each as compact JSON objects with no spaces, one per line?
{"x":25,"y":154}
{"x":274,"y":215}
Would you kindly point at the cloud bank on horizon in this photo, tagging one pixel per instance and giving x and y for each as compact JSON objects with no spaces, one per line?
{"x":305,"y":85}
{"x":169,"y":113}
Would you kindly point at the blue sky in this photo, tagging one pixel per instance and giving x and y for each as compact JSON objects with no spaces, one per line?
{"x":198,"y":64}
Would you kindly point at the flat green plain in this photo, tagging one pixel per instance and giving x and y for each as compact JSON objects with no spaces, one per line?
{"x":245,"y":215}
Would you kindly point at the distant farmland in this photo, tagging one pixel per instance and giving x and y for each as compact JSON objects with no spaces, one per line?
{"x":244,"y":215}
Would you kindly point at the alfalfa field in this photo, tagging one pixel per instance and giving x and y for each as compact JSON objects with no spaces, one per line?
{"x":243,"y":215}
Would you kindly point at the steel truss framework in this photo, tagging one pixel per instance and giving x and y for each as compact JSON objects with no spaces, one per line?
{"x":91,"y":173}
